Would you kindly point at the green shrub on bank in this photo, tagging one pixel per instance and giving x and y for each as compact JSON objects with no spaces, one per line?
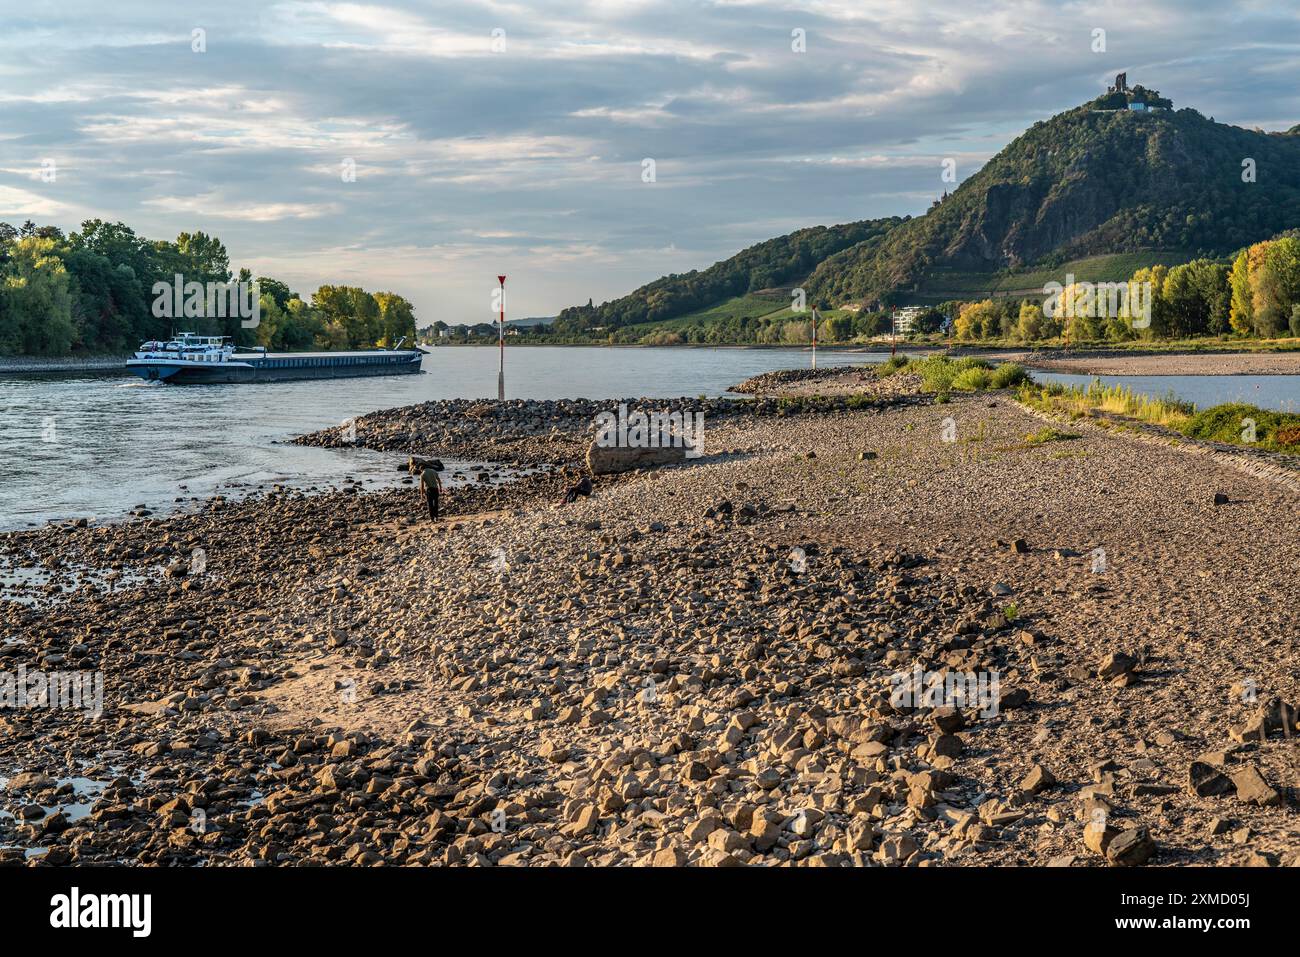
{"x":938,"y":372}
{"x":1236,"y":423}
{"x":1043,"y":436}
{"x":971,"y":380}
{"x":1008,"y":376}
{"x":890,"y":366}
{"x":1233,"y":423}
{"x":941,"y":374}
{"x":1170,"y":411}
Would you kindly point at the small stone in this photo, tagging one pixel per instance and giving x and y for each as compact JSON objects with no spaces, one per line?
{"x":1038,"y":779}
{"x":700,"y":830}
{"x":947,"y":745}
{"x":1012,"y":698}
{"x":553,"y":752}
{"x":896,"y":849}
{"x":1131,"y":848}
{"x":1204,"y":780}
{"x":1097,"y":836}
{"x":668,"y":857}
{"x":696,"y":771}
{"x":1253,"y":789}
{"x":30,"y":781}
{"x":947,"y":719}
{"x":726,"y":840}
{"x":764,"y":832}
{"x":767,"y":778}
{"x":1116,"y":665}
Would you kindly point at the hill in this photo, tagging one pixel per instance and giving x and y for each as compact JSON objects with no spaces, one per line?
{"x":785,"y":260}
{"x":1092,"y":181}
{"x":1099,"y":190}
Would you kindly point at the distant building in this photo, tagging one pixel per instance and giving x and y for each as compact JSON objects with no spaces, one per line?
{"x":851,"y":307}
{"x":1138,"y":107}
{"x":905,"y":318}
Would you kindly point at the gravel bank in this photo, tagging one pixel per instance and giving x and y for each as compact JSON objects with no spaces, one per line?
{"x":696,"y":666}
{"x":558,"y":431}
{"x":830,"y":382}
{"x":1198,"y":363}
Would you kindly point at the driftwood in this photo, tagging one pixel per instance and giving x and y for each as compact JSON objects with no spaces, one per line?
{"x":605,"y":460}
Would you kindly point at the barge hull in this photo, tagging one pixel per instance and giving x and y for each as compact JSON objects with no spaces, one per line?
{"x":257,"y":369}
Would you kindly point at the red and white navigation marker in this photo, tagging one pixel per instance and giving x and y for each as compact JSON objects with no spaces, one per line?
{"x":501,"y":342}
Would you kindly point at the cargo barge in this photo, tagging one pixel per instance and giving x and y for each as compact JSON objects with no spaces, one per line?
{"x":190,"y":359}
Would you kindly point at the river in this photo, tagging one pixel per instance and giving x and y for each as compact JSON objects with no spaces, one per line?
{"x":96,"y":446}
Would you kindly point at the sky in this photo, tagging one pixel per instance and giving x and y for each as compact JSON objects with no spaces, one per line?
{"x":425,"y":148}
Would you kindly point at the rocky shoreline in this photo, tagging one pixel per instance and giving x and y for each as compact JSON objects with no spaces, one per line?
{"x":522,"y":432}
{"x":16,"y":365}
{"x":707,"y":664}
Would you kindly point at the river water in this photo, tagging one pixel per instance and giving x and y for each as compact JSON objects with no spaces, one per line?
{"x":97,"y":445}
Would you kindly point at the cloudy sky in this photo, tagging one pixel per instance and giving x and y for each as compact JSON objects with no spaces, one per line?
{"x":511,"y":137}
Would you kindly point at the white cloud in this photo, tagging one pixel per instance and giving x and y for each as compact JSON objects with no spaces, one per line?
{"x":217,"y":207}
{"x":21,"y":202}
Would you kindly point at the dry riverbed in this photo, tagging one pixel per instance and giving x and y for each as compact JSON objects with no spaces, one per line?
{"x":698,"y":665}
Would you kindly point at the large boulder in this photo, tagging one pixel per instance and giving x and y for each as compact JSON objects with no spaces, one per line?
{"x":606,"y":460}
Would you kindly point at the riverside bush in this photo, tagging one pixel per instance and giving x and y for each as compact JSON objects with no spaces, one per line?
{"x":1008,"y":376}
{"x":890,"y":366}
{"x":1274,"y":431}
{"x":971,"y":380}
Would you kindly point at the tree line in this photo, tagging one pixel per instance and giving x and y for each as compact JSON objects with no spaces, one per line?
{"x":1258,"y":296}
{"x":93,"y":291}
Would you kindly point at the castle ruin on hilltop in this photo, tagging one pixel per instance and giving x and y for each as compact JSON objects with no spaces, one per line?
{"x":1138,"y":99}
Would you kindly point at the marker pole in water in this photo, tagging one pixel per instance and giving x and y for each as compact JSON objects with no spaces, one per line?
{"x":893,"y":335}
{"x":814,"y":341}
{"x":501,"y":343}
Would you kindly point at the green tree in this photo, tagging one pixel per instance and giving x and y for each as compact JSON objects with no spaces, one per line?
{"x":1030,"y":324}
{"x":396,"y":319}
{"x":1242,"y":315}
{"x":1275,"y":287}
{"x":350,"y":316}
{"x":277,"y":290}
{"x":206,"y":257}
{"x":36,"y":300}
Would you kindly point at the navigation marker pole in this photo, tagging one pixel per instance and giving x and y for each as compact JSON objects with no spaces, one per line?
{"x":501,"y":342}
{"x":814,"y":343}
